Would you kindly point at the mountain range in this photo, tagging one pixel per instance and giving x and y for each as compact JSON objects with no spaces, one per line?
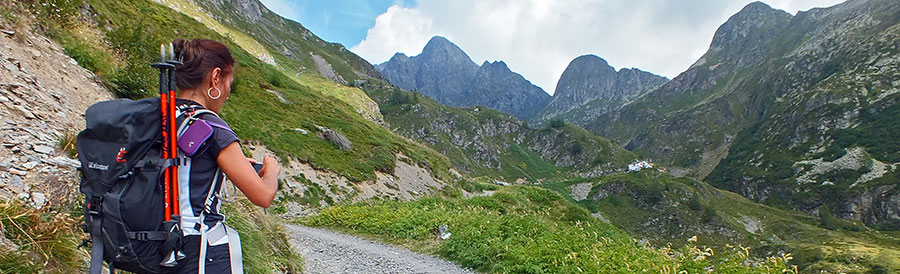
{"x":789,"y":110}
{"x":445,"y":73}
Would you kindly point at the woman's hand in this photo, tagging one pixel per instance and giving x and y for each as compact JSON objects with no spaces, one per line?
{"x":270,"y":166}
{"x":259,"y":187}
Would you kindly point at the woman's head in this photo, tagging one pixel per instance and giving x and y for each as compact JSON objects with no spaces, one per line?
{"x":206,"y":73}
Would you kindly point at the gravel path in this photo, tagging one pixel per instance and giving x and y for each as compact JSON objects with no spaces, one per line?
{"x":324,"y":251}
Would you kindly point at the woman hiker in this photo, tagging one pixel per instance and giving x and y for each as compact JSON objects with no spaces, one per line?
{"x":204,"y":83}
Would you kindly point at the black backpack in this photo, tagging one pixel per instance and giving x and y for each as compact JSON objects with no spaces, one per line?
{"x":121,"y":165}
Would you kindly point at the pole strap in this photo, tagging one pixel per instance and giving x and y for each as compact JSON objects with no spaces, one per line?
{"x":96,"y":240}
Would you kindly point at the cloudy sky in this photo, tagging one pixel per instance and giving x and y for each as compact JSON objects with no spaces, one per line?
{"x":536,"y":38}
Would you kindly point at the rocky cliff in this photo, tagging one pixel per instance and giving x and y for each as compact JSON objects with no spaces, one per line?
{"x":484,"y":142}
{"x":590,"y":87}
{"x":778,"y":95}
{"x":445,"y":73}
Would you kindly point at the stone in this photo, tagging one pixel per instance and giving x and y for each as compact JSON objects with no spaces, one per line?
{"x":43,"y":149}
{"x":38,"y":200}
{"x":63,"y":162}
{"x":3,"y":99}
{"x":4,"y":165}
{"x":8,"y":32}
{"x":25,"y":112}
{"x":36,"y":53}
{"x":30,"y":165}
{"x":16,"y":184}
{"x":302,"y":131}
{"x":17,"y":172}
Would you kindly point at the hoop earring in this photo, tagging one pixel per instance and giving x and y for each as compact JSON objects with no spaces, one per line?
{"x":209,"y":93}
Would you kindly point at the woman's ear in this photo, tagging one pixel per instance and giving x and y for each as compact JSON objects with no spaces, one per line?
{"x":215,"y":75}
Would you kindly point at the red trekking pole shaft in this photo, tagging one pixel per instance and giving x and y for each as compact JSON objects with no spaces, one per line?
{"x":167,"y":149}
{"x":173,"y":135}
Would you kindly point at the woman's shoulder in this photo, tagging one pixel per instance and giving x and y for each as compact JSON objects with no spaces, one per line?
{"x":221,"y":129}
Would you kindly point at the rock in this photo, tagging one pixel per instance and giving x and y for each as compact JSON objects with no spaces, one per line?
{"x":23,"y":196}
{"x":43,"y":149}
{"x":17,"y":172}
{"x":337,"y":139}
{"x":12,"y":68}
{"x":6,"y":244}
{"x":443,"y":231}
{"x":30,"y":165}
{"x":16,"y":184}
{"x":4,"y":165}
{"x":8,"y":32}
{"x":36,"y":53}
{"x":3,"y":99}
{"x":63,"y":162}
{"x":302,"y":131}
{"x":38,"y":200}
{"x":25,"y":112}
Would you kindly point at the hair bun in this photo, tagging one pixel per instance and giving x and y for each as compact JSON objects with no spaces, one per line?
{"x":178,"y":46}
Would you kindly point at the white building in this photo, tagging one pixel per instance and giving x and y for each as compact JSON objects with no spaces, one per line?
{"x":639,"y":165}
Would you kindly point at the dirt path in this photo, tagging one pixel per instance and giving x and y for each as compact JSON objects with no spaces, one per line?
{"x":324,"y":251}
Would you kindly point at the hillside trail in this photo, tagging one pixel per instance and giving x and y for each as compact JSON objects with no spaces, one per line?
{"x":326,"y":251}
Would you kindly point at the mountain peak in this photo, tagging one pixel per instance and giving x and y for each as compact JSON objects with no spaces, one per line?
{"x":399,"y":56}
{"x":439,"y":43}
{"x":589,"y":59}
{"x":750,"y":25}
{"x":495,"y":64}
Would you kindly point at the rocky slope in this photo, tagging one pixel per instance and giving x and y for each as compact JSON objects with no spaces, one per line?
{"x":590,"y":87}
{"x":445,"y":73}
{"x":835,"y":119}
{"x":485,"y":142}
{"x":43,"y":94}
{"x":768,"y":94}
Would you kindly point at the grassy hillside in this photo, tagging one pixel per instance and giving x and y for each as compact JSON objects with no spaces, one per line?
{"x":664,"y":209}
{"x":130,"y":32}
{"x":118,"y":39}
{"x":484,"y":142}
{"x":522,"y":229}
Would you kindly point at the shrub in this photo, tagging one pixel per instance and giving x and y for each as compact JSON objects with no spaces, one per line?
{"x":557,"y":123}
{"x":828,"y":220}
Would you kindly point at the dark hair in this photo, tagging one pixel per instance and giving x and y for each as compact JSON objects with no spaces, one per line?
{"x":200,"y":56}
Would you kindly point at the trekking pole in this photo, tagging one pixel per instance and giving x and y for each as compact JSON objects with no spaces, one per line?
{"x":173,"y":136}
{"x":164,"y":112}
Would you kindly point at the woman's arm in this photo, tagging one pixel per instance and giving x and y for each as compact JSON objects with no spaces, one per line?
{"x":259,"y":188}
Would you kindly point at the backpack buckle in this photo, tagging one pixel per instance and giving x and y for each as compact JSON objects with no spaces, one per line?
{"x":94,"y":206}
{"x":142,"y":236}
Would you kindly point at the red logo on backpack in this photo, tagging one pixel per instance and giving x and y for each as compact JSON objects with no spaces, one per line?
{"x":120,"y":158}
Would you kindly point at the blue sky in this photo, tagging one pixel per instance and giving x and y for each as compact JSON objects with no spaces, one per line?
{"x":342,"y":21}
{"x":536,"y":38}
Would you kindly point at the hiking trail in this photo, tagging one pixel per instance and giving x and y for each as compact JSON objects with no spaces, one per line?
{"x":325,"y":251}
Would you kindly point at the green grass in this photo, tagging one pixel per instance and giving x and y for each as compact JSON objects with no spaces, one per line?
{"x":133,"y":31}
{"x":527,"y":230}
{"x":263,"y":241}
{"x":47,"y":239}
{"x":490,"y":143}
{"x":669,"y":210}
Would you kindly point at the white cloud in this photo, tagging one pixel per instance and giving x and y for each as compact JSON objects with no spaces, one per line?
{"x":399,"y":29}
{"x":538,"y":38}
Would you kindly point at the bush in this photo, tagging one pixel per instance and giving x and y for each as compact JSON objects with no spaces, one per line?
{"x":695,"y":203}
{"x":557,"y":123}
{"x":827,"y":219}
